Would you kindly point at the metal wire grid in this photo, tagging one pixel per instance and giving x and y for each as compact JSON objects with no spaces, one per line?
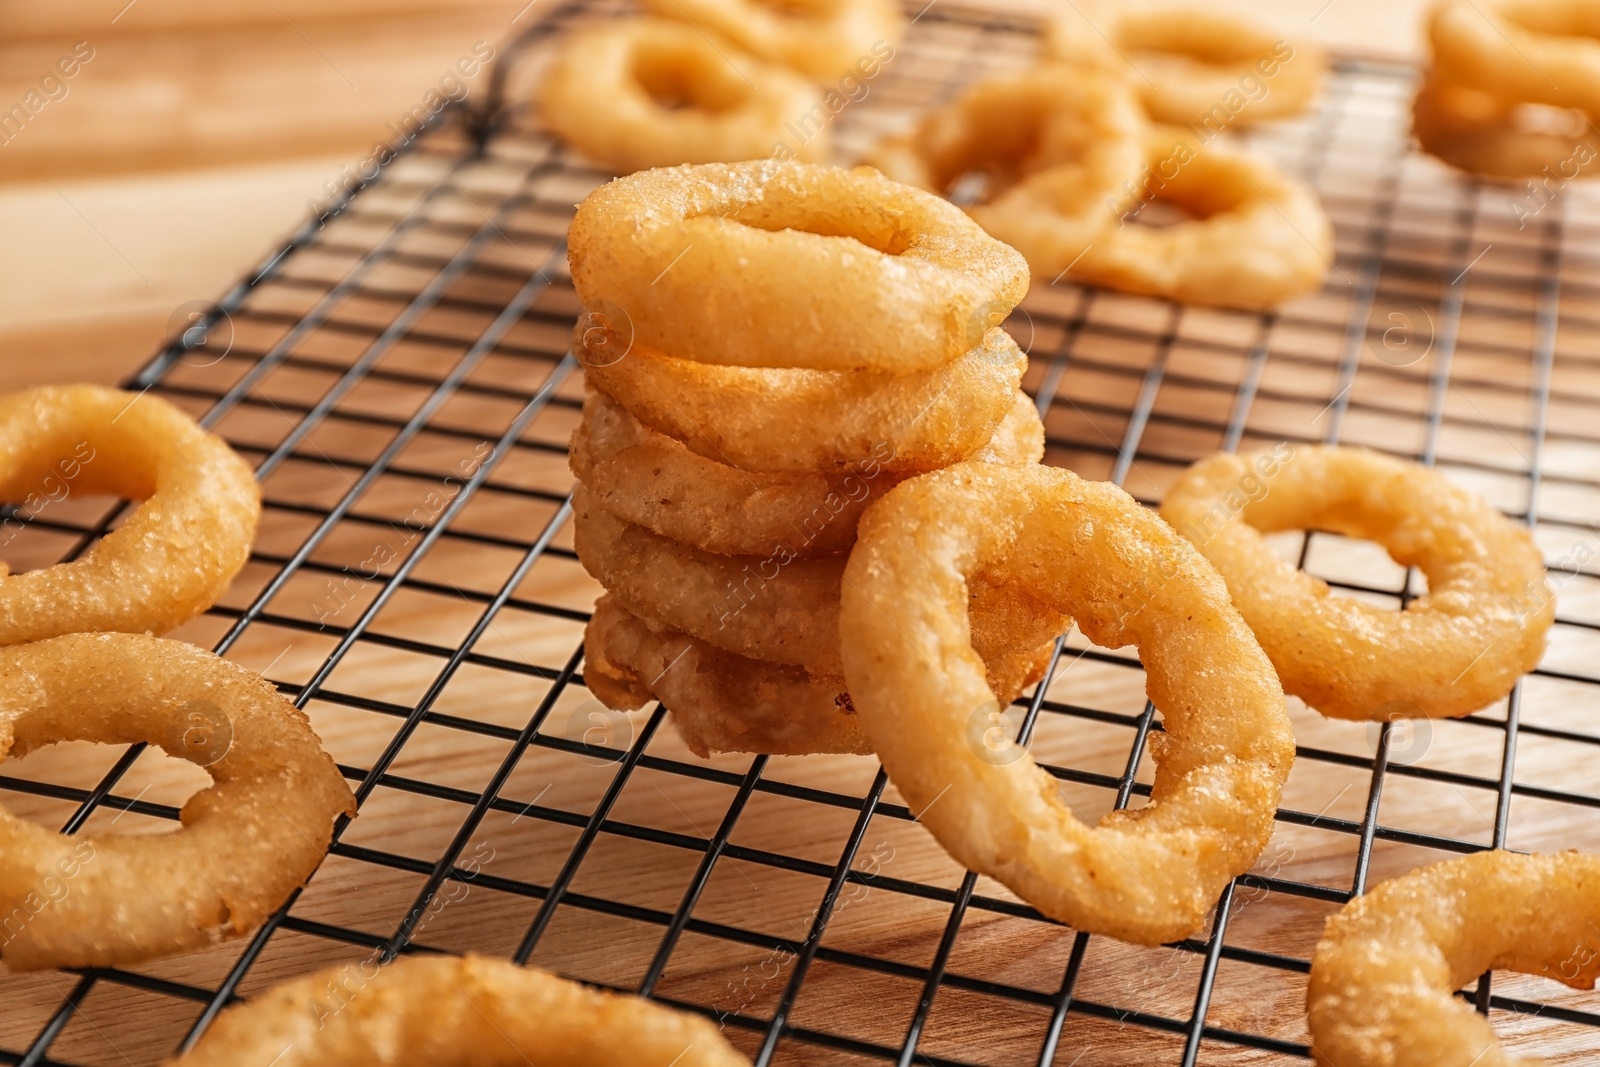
{"x":427,"y":320}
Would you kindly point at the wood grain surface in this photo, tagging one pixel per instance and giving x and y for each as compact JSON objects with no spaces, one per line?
{"x":737,"y":955}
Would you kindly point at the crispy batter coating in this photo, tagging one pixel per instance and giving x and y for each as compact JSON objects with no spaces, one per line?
{"x":651,"y":480}
{"x":1384,"y":976}
{"x":443,"y":1010}
{"x":810,"y":421}
{"x":248,"y":840}
{"x":846,"y":269}
{"x":177,"y":552}
{"x":1089,"y":550}
{"x":1480,"y":627}
{"x":643,"y":92}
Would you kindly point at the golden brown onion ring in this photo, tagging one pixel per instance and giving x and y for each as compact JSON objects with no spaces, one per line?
{"x":1463,"y":644}
{"x":1259,"y":236}
{"x":1384,"y":977}
{"x":444,"y":1011}
{"x":176,"y":553}
{"x":820,"y":38}
{"x":1190,"y":65}
{"x":1089,"y":550}
{"x":651,"y":480}
{"x":635,"y":93}
{"x":1484,"y":134}
{"x":846,"y":270}
{"x":1061,"y":148}
{"x":247,"y":841}
{"x":1530,"y":51}
{"x":810,"y":421}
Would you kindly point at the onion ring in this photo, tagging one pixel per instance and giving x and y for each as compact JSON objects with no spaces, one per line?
{"x":853,"y":271}
{"x":1484,"y":134}
{"x":247,"y":841}
{"x":1479,"y":628}
{"x":1062,"y":149}
{"x":820,"y":38}
{"x":724,"y":702}
{"x":651,"y":480}
{"x":1261,"y":238}
{"x":810,"y":421}
{"x":1384,"y":975}
{"x":720,"y":702}
{"x":778,"y":609}
{"x":1190,"y":65}
{"x":1541,"y":52}
{"x":176,"y":553}
{"x":447,"y":1010}
{"x":1089,"y":550}
{"x":640,"y":92}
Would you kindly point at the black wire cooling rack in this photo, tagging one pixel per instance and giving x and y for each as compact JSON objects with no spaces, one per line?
{"x":398,"y":375}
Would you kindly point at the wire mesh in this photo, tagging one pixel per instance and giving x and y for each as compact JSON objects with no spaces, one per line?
{"x":399,"y":377}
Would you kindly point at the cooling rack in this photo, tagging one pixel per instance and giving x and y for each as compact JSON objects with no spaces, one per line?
{"x":398,"y":375}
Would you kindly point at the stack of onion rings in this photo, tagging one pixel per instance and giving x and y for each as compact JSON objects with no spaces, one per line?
{"x":652,"y":480}
{"x":1495,"y":66}
{"x":1091,"y":551}
{"x":1452,"y":651}
{"x":770,"y":347}
{"x":176,"y":553}
{"x":446,"y":1010}
{"x":823,"y":39}
{"x":1190,"y":65}
{"x":248,"y":841}
{"x":1384,"y":977}
{"x":634,"y":93}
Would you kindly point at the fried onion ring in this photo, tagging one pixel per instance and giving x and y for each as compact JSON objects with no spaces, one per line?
{"x":855,"y":272}
{"x":1452,"y":651}
{"x":247,"y":841}
{"x":442,"y":1010}
{"x":640,"y":92}
{"x":777,"y":608}
{"x":820,"y":38}
{"x":724,"y":702}
{"x":176,"y":553}
{"x":1532,"y":51}
{"x":1484,"y":134}
{"x":1384,"y":975}
{"x":813,"y":421}
{"x":1061,"y":148}
{"x":720,"y":701}
{"x":1190,"y":65}
{"x":1090,"y":551}
{"x":1260,"y":237}
{"x":651,"y":480}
